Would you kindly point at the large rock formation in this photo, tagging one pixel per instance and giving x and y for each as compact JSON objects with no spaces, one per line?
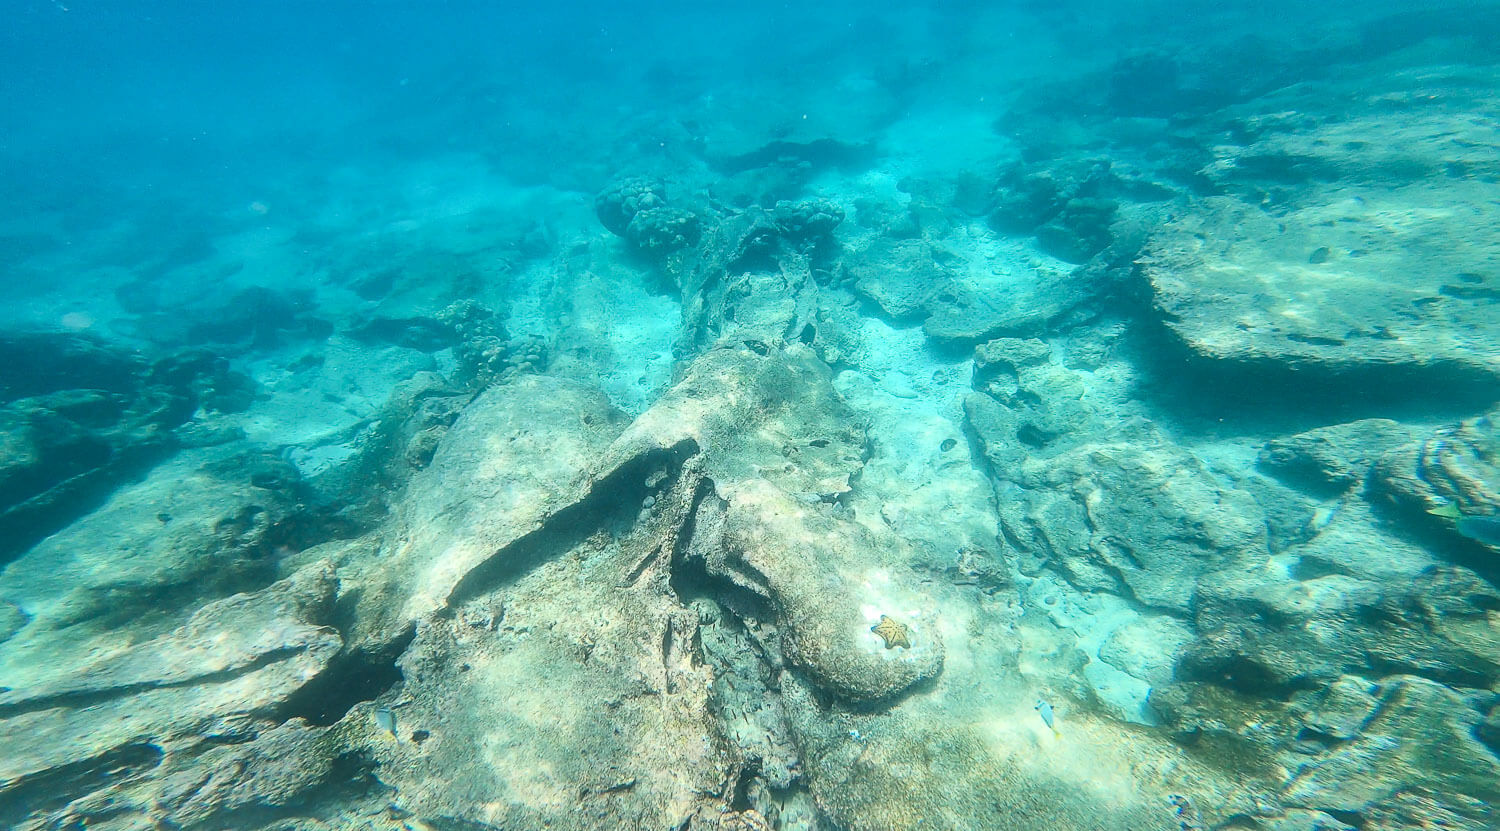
{"x":184,"y":729}
{"x":1345,"y":240}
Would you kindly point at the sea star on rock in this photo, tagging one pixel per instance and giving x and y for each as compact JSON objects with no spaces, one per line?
{"x":893,"y":633}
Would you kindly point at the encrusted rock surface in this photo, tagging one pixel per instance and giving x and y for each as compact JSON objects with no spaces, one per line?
{"x":79,"y":418}
{"x":1455,"y":469}
{"x":516,"y":456}
{"x":1237,"y":283}
{"x":197,"y":528}
{"x":87,"y":734}
{"x":1419,"y":736}
{"x":1339,"y":455}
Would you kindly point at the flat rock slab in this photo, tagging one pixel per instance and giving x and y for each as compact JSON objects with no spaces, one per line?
{"x":198,"y":527}
{"x":1352,"y":278}
{"x":1361,"y":235}
{"x":95,"y":728}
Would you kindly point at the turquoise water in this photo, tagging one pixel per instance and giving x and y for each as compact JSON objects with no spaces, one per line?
{"x":694,"y":416}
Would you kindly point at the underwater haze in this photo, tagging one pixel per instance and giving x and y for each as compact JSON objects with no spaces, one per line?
{"x":1029,"y":416}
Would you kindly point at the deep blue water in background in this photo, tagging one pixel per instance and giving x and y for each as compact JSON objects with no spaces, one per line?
{"x":177,"y":101}
{"x":99,"y":96}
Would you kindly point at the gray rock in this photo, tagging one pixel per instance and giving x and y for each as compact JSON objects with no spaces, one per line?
{"x":1007,"y":357}
{"x":1147,"y":648}
{"x":11,"y":619}
{"x":1242,"y":732}
{"x":1269,"y":636}
{"x":1038,"y":408}
{"x":1420,"y":739}
{"x":888,"y":217}
{"x":961,"y":299}
{"x":516,"y":456}
{"x":277,"y":772}
{"x":758,"y":538}
{"x":899,"y":276}
{"x":584,"y":706}
{"x":745,"y":698}
{"x":901,"y":773}
{"x":1400,"y":127}
{"x":777,"y":444}
{"x":619,"y":203}
{"x":810,"y":220}
{"x":974,"y":308}
{"x":1236,"y":283}
{"x":78,"y":419}
{"x":1418,"y":811}
{"x":205,"y":524}
{"x":1349,"y":239}
{"x":84,"y":738}
{"x":1079,"y":230}
{"x":1348,"y":537}
{"x":1028,"y":196}
{"x":1140,"y":518}
{"x":1299,"y":819}
{"x":1339,"y":711}
{"x":663,"y":230}
{"x":362,"y":471}
{"x":1457,"y":468}
{"x":1339,"y":455}
{"x":745,"y":282}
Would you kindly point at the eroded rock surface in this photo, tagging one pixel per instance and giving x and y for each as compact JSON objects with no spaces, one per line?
{"x":1447,"y":479}
{"x":199,"y":527}
{"x":1350,"y":239}
{"x":86,"y":737}
{"x":516,"y":457}
{"x":1136,"y":516}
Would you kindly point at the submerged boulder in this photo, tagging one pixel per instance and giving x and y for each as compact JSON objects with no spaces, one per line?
{"x":619,"y":203}
{"x":122,"y":733}
{"x":1339,"y":455}
{"x":1449,"y":481}
{"x":1341,"y":282}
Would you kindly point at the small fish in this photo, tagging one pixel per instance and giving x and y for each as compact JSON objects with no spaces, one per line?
{"x":1048,"y":717}
{"x":385,"y":719}
{"x":1485,"y":529}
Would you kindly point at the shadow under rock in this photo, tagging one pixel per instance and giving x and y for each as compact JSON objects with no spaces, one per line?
{"x":1228,"y":397}
{"x":352,"y":677}
{"x":612,"y":503}
{"x":819,"y":154}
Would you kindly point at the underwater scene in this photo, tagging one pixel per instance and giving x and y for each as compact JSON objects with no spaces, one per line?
{"x":1032,"y":416}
